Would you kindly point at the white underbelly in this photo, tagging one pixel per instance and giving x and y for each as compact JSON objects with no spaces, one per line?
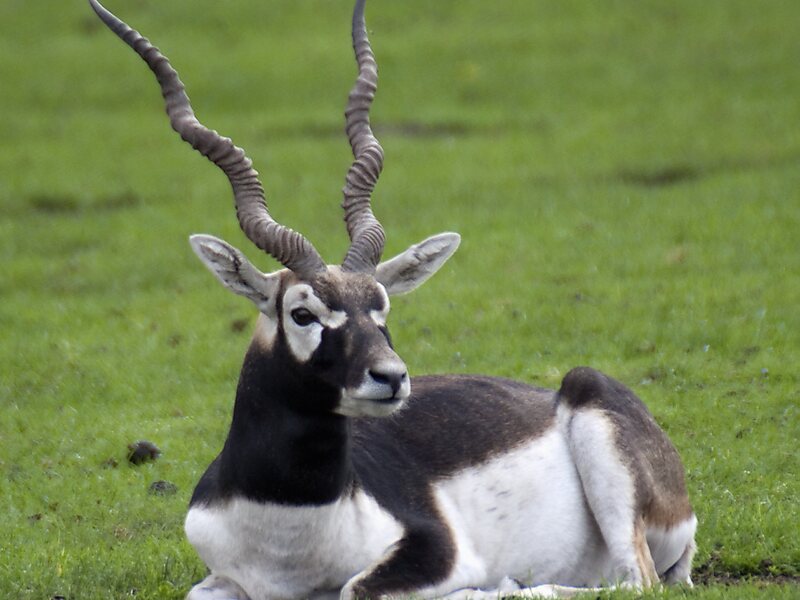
{"x":275,"y":551}
{"x":523,"y":515}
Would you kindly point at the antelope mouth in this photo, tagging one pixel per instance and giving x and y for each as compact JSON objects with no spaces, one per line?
{"x":354,"y":405}
{"x":389,"y":400}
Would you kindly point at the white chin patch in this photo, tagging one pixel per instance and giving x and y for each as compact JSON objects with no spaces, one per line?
{"x":372,"y":399}
{"x":367,"y":407}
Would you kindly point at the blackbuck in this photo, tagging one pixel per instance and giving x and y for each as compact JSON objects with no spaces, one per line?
{"x":342,"y":476}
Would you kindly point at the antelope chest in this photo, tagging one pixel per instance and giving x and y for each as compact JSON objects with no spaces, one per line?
{"x":279,"y":551}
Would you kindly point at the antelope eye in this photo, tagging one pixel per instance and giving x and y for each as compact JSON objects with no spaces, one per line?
{"x":303,"y":317}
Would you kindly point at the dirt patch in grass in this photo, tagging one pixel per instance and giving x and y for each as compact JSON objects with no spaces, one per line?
{"x":416,"y":129}
{"x":713,"y":573}
{"x":69,"y":204}
{"x":408,"y":129}
{"x":675,"y":174}
{"x":727,"y":579}
{"x":671,"y":175}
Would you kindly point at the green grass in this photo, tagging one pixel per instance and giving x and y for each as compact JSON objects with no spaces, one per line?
{"x":624,"y":175}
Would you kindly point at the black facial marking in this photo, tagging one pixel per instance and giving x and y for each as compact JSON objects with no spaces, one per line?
{"x":385,"y":331}
{"x":326,"y":361}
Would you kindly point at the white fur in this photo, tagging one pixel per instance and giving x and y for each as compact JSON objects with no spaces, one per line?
{"x":236,"y":273}
{"x":521,"y":515}
{"x":216,"y":587}
{"x":283,"y":552}
{"x":608,"y":486}
{"x":667,"y":547}
{"x":351,"y":406}
{"x":369,"y":399}
{"x":266,"y":331}
{"x":510,"y":589}
{"x":379,"y":316}
{"x":410,"y":269}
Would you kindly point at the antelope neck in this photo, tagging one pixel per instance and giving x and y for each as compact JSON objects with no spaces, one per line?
{"x":284,"y":444}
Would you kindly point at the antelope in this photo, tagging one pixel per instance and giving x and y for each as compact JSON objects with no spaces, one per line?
{"x":341,"y":476}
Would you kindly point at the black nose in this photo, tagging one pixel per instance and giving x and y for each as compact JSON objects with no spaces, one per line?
{"x":394,"y":379}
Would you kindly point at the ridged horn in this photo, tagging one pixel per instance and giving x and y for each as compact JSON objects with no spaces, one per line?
{"x":288,"y":247}
{"x":366,"y":234}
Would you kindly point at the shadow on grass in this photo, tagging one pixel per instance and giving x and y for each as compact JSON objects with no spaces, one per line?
{"x":683,"y":173}
{"x":70,"y":204}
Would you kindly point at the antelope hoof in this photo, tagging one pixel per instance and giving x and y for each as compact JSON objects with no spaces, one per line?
{"x":216,"y":587}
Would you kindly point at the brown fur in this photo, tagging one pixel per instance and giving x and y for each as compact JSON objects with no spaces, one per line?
{"x":645,"y":561}
{"x":658,"y":474}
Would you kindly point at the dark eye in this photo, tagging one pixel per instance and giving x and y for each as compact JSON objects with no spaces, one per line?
{"x":303,"y":317}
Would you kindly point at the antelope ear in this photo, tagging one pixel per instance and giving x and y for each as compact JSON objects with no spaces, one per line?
{"x":410,"y":269}
{"x":237,"y":273}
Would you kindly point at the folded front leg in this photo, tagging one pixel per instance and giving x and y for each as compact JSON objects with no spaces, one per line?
{"x":422,"y":558}
{"x":216,"y":587}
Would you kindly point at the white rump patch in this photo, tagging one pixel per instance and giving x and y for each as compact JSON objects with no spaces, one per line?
{"x":668,"y":545}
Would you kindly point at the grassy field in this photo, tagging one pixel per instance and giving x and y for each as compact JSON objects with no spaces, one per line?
{"x":624,"y":174}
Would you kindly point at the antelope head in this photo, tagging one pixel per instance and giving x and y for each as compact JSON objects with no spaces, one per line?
{"x":327,"y":322}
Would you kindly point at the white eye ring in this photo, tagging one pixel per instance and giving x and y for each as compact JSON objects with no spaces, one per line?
{"x":303,"y":317}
